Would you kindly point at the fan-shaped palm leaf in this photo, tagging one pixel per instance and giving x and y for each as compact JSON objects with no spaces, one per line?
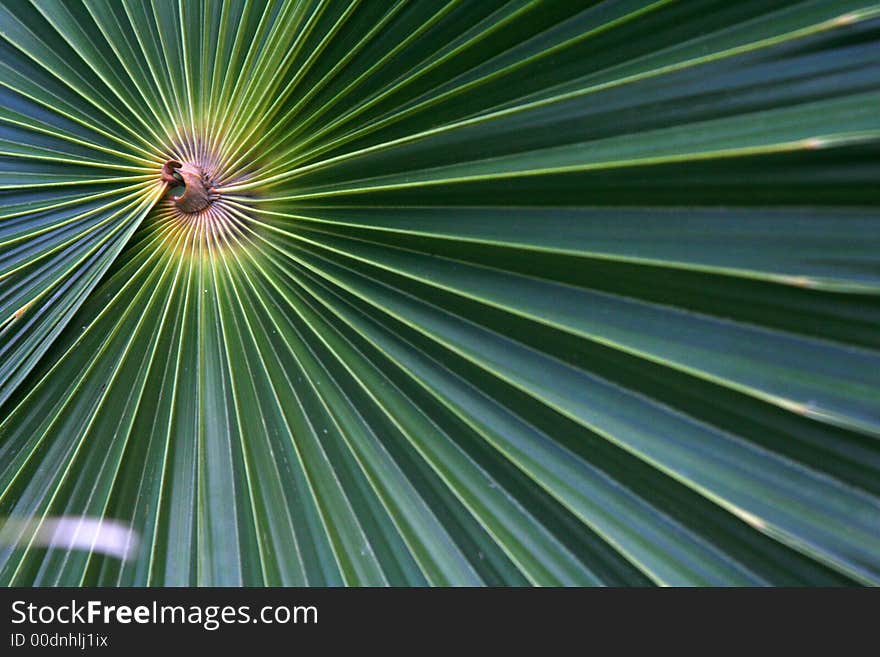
{"x":453,"y":293}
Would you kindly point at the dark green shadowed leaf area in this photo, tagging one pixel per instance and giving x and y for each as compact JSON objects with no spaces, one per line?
{"x":439,"y":293}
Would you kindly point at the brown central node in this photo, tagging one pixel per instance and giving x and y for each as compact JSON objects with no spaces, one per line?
{"x":198,"y":193}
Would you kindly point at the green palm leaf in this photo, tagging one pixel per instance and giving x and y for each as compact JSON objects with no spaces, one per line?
{"x":490,"y":292}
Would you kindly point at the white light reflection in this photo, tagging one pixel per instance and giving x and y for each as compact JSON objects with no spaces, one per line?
{"x":101,"y":535}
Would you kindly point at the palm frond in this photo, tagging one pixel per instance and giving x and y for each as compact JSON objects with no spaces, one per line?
{"x":488,"y":292}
